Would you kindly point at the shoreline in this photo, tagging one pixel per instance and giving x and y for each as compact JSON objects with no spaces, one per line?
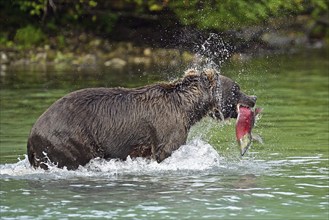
{"x":86,"y":50}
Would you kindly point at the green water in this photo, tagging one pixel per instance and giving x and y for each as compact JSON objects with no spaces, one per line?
{"x":284,"y":178}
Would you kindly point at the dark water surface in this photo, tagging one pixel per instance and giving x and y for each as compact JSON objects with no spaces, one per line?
{"x":284,"y":178}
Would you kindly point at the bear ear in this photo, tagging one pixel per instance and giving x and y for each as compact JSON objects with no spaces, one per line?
{"x":211,"y":75}
{"x":191,"y":72}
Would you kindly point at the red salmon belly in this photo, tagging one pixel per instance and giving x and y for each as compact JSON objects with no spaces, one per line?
{"x":244,"y":122}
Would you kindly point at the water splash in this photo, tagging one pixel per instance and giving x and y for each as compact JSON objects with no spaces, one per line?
{"x":195,"y":157}
{"x":212,"y":53}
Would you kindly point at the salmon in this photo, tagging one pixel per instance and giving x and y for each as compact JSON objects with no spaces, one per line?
{"x":244,"y":125}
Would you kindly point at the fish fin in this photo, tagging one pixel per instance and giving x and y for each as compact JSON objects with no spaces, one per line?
{"x":258,"y":138}
{"x":258,"y":114}
{"x":258,"y":111}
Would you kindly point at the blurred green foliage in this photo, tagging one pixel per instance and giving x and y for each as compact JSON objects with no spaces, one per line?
{"x":29,"y":36}
{"x":28,"y":21}
{"x":232,"y":14}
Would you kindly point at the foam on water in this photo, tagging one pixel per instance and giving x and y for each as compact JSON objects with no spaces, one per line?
{"x":196,"y":156}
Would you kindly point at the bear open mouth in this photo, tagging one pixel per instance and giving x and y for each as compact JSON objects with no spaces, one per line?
{"x":241,"y":105}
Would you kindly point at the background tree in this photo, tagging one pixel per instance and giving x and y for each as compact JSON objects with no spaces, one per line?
{"x":53,"y":17}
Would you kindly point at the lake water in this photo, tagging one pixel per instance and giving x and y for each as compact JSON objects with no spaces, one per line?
{"x":286,"y":177}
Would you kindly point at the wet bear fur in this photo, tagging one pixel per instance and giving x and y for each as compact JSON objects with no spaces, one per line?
{"x":151,"y":121}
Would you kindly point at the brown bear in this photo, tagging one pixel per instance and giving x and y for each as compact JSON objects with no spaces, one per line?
{"x":151,"y":121}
